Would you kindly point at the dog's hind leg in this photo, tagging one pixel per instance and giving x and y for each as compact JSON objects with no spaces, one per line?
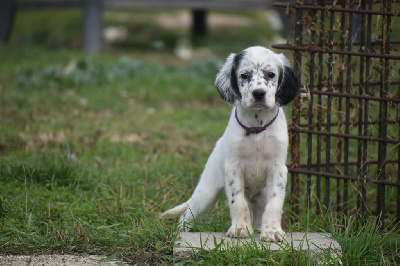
{"x":204,"y":196}
{"x":206,"y":193}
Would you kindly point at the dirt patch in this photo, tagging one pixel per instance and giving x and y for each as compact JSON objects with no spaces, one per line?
{"x":65,"y":260}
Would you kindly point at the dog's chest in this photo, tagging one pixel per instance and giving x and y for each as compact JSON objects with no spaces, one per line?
{"x":257,"y":147}
{"x":256,"y":156}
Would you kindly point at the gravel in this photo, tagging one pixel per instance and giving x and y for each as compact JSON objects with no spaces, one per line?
{"x":59,"y":260}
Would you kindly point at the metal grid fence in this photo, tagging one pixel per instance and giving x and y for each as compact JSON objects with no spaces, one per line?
{"x":345,"y":131}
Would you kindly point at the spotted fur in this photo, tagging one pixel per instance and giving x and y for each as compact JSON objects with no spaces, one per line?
{"x":250,"y":167}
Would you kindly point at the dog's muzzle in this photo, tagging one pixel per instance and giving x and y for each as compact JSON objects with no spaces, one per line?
{"x":258,"y":94}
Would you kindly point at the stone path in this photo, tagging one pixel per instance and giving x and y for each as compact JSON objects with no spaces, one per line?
{"x":317,"y":244}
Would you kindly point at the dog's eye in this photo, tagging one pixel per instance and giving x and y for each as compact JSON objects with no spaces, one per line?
{"x":271,"y":75}
{"x":244,"y":76}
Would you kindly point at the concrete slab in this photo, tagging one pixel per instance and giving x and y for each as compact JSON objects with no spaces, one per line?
{"x":316,"y":244}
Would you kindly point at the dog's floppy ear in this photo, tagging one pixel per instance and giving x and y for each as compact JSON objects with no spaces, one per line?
{"x":229,"y":92}
{"x":289,"y":84}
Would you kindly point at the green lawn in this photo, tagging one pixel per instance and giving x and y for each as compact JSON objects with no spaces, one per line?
{"x":93,"y":148}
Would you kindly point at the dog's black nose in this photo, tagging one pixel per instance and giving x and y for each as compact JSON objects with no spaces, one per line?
{"x":258,"y":94}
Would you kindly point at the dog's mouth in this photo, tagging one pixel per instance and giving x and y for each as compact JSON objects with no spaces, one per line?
{"x":260,"y":105}
{"x":257,"y":104}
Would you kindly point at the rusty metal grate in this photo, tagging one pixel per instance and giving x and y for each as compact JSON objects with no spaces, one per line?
{"x":345,"y":132}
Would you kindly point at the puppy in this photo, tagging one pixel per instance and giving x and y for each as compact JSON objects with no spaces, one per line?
{"x":249,"y":160}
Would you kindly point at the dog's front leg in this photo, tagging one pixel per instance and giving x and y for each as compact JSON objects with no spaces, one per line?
{"x":271,"y":229}
{"x":239,"y":208}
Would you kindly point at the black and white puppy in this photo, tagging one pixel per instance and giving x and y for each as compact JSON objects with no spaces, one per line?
{"x":249,"y":160}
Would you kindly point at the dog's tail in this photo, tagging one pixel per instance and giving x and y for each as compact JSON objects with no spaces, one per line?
{"x":175,"y":212}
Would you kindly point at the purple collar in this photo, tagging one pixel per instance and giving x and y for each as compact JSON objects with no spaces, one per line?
{"x":255,"y":130}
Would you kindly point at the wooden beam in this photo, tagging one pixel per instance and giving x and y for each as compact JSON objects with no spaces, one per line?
{"x":49,"y":4}
{"x":187,"y":4}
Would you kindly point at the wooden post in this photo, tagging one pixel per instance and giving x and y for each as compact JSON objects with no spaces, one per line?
{"x":199,"y":22}
{"x":7,"y":13}
{"x":92,"y":26}
{"x":287,"y":22}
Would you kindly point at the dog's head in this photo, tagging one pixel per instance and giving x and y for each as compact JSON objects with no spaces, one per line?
{"x":257,"y":78}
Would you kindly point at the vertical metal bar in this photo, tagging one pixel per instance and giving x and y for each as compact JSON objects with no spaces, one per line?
{"x":383,"y":107}
{"x":295,"y":154}
{"x":295,"y":136}
{"x":361,"y":37}
{"x":92,"y":26}
{"x":343,"y":42}
{"x":366,"y":108}
{"x":361,"y":160}
{"x":321,"y":62}
{"x":347,"y":118}
{"x":329,"y":113}
{"x":398,"y":158}
{"x":311,"y":112}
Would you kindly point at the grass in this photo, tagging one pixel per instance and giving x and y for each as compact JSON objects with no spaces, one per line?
{"x":92,"y":148}
{"x":365,"y":244}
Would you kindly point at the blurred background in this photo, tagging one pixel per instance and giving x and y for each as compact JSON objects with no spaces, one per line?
{"x":97,"y":136}
{"x":108,"y":115}
{"x":142,"y":30}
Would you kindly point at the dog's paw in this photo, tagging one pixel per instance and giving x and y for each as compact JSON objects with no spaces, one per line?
{"x":184,"y":226}
{"x":272,"y":233}
{"x":242,"y":232}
